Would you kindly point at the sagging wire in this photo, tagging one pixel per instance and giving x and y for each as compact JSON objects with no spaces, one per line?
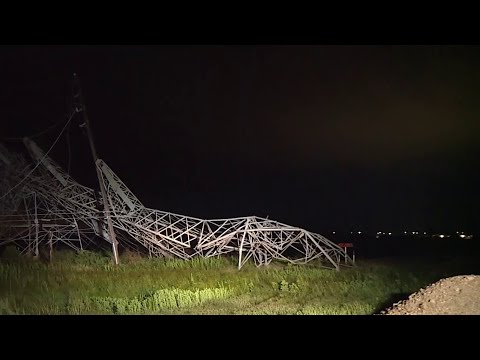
{"x":44,"y":156}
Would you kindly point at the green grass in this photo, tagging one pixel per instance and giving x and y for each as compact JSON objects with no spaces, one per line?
{"x":88,"y":283}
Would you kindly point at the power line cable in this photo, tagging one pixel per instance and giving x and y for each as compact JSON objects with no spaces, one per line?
{"x":44,"y":156}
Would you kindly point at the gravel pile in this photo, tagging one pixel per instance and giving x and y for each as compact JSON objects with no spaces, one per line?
{"x":458,"y":295}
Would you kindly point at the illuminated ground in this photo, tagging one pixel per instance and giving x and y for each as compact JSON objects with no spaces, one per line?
{"x":89,"y":284}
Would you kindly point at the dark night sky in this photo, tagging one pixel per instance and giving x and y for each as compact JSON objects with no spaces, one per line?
{"x":323,"y":137}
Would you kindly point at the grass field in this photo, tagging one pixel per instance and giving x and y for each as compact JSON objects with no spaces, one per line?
{"x":87,"y":283}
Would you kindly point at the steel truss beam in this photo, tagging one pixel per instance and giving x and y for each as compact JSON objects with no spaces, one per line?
{"x":51,"y":207}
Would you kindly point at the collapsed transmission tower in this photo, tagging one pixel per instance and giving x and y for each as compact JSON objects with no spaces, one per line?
{"x":51,"y":207}
{"x":41,"y":206}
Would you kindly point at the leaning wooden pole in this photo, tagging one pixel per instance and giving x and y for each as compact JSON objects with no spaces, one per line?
{"x":80,"y":107}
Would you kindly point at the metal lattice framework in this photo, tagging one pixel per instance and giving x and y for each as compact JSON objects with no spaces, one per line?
{"x":30,"y":215}
{"x":51,"y":207}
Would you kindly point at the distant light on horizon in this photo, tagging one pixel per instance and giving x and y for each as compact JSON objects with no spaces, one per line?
{"x":442,"y":236}
{"x":462,"y":235}
{"x":389,"y":233}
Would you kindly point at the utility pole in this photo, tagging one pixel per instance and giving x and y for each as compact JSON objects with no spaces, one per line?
{"x":80,"y":107}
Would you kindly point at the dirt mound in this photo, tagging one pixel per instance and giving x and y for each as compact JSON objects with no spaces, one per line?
{"x":458,"y":295}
